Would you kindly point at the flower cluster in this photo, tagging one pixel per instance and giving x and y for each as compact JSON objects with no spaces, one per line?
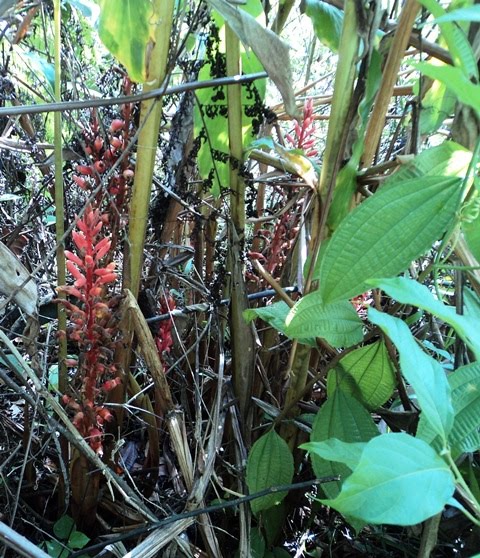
{"x":164,"y":339}
{"x":92,"y":326}
{"x":303,"y":136}
{"x":103,"y":155}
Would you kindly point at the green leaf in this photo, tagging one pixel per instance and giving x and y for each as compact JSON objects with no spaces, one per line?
{"x":125,"y":28}
{"x":408,"y":291}
{"x":344,"y":418}
{"x":386,"y":232}
{"x":210,"y":112}
{"x":457,"y":41}
{"x":465,"y":434}
{"x":438,"y":103}
{"x":78,"y":540}
{"x":336,"y":450}
{"x":338,"y":322}
{"x":372,"y":373}
{"x":270,"y":463}
{"x":469,"y":13}
{"x":465,"y":91}
{"x":399,"y":481}
{"x":40,"y":65}
{"x":273,"y":53}
{"x":274,"y":314}
{"x":471,"y":231}
{"x":64,"y":527}
{"x":447,"y":159}
{"x":56,"y":550}
{"x":327,"y":22}
{"x":257,"y":543}
{"x":423,"y":373}
{"x":465,"y":384}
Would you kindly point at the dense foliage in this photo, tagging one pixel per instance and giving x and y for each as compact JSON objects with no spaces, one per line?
{"x":240,"y":282}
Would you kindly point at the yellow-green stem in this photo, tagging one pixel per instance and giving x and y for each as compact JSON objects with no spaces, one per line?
{"x":243,"y":355}
{"x":150,"y":114}
{"x":59,"y":208}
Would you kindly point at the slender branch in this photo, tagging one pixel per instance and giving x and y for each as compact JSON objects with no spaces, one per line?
{"x":145,"y":95}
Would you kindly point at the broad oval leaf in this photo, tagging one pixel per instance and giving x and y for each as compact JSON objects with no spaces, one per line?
{"x":399,"y":480}
{"x":270,"y":463}
{"x":327,"y":22}
{"x":465,"y":434}
{"x":372,"y":372}
{"x":336,"y":450}
{"x":466,"y":91}
{"x":344,"y":418}
{"x":408,"y":291}
{"x":338,"y":322}
{"x":382,"y":236}
{"x":125,"y":29}
{"x":423,"y":373}
{"x":275,"y":314}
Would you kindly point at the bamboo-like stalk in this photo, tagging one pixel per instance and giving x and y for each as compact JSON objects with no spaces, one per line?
{"x":150,"y":114}
{"x":392,"y":65}
{"x":243,"y":356}
{"x":59,"y":208}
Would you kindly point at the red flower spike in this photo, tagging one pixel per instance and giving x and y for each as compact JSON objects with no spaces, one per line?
{"x":116,"y":143}
{"x":105,"y":279}
{"x":83,"y":169}
{"x":117,"y":125}
{"x":79,"y":240}
{"x":87,"y":321}
{"x":102,"y":248}
{"x":98,"y":144}
{"x":73,"y":258}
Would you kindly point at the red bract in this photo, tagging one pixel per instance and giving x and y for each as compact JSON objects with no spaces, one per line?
{"x":303,"y":136}
{"x":89,"y":319}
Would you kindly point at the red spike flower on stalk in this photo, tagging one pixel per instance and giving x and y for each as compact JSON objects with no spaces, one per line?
{"x":303,"y":136}
{"x":91,"y":328}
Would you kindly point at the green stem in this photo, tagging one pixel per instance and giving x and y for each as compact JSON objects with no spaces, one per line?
{"x":243,"y":354}
{"x":465,"y":490}
{"x":59,"y":207}
{"x":150,"y":115}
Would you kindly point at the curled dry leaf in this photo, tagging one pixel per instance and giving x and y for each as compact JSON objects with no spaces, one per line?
{"x":12,"y":278}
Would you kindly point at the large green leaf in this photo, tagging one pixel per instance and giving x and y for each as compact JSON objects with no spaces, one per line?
{"x":348,"y":453}
{"x":446,"y":159}
{"x":399,"y":481}
{"x":273,"y":53}
{"x":270,"y":463}
{"x":465,"y":434}
{"x":371,"y":371}
{"x":210,"y":111}
{"x":438,"y":104}
{"x":471,"y":231}
{"x":408,"y":291}
{"x":466,"y":92}
{"x":424,"y":374}
{"x":327,"y":22}
{"x":382,"y":236}
{"x":344,"y":418}
{"x":125,"y":28}
{"x":338,"y":322}
{"x":456,"y":39}
{"x":275,"y":314}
